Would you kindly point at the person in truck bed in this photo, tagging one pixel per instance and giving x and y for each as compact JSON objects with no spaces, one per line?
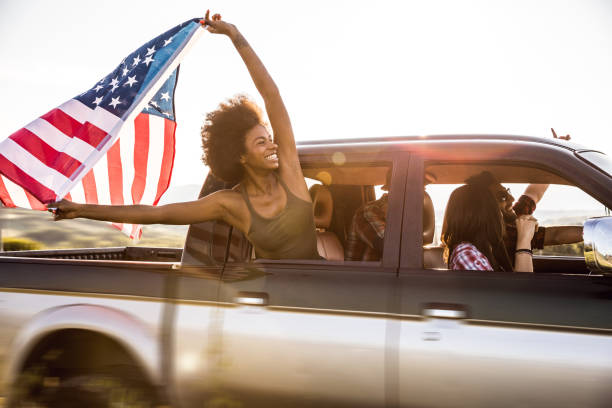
{"x":270,"y":203}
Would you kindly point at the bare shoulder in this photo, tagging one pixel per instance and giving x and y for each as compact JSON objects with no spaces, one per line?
{"x":227,"y":199}
{"x":234,"y":209}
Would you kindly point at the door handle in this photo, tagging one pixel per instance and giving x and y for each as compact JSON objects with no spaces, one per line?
{"x":252,"y":298}
{"x":445,"y":311}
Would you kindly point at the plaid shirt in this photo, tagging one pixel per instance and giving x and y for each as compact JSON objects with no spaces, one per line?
{"x":365,"y":238}
{"x":524,"y":206}
{"x":467,"y":257}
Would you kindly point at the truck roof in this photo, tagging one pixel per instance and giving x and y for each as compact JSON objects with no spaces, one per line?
{"x":402,"y":140}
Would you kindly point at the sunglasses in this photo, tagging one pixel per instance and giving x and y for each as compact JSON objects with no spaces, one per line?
{"x":504,"y":196}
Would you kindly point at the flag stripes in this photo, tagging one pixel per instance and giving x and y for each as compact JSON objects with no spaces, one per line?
{"x":167,"y":159}
{"x":12,"y":170}
{"x":46,"y":167}
{"x":59,"y":161}
{"x":98,"y":117}
{"x":141,"y":151}
{"x":52,"y":136}
{"x":115,"y":174}
{"x":136,"y":169}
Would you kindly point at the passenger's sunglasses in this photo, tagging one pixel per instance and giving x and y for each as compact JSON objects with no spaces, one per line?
{"x":503,"y":196}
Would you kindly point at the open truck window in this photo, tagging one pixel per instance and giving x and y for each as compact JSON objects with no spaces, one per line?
{"x":350,"y":208}
{"x":563,"y":204}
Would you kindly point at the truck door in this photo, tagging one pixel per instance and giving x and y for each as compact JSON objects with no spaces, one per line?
{"x":315,"y":333}
{"x":478,"y":338}
{"x":193,"y":312}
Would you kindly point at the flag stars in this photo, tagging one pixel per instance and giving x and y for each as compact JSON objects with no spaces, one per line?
{"x":148,"y":60}
{"x":153,"y":103}
{"x":97,"y":100}
{"x":125,"y":71}
{"x":168,"y":41}
{"x":98,"y":87}
{"x":114,"y":83}
{"x":165,"y":96}
{"x":131,"y":81}
{"x":114,"y":102}
{"x":166,"y":113}
{"x":150,"y":51}
{"x":136,"y":61}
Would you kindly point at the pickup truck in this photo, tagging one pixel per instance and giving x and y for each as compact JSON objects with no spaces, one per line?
{"x":210,"y":325}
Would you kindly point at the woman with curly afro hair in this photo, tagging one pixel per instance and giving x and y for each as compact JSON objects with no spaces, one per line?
{"x":270,"y":203}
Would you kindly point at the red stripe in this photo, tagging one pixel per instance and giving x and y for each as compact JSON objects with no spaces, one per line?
{"x":5,"y":197}
{"x":63,"y":163}
{"x":89,"y":187}
{"x":141,"y":156}
{"x":91,"y":134}
{"x":34,"y":203}
{"x":68,"y":197}
{"x":136,"y":232}
{"x":73,"y":128}
{"x":118,"y":226}
{"x":167,"y":159}
{"x":18,"y":176}
{"x":115,"y":174}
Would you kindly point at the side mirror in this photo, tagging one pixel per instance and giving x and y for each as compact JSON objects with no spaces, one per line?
{"x":598,"y":244}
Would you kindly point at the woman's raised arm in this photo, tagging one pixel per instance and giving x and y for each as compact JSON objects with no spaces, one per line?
{"x":277,"y":113}
{"x":526,"y":226}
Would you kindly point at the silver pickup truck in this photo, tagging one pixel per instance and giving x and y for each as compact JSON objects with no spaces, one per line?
{"x":212,"y":326}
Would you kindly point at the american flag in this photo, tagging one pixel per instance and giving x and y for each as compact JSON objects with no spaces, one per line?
{"x":112,"y":144}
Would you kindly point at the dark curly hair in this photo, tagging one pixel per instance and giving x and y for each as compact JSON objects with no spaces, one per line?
{"x":223,"y":134}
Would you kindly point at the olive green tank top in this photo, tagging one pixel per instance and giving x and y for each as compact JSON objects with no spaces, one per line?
{"x":289,"y":235}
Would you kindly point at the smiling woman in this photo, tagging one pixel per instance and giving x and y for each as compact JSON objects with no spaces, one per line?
{"x":224,"y":133}
{"x":269,"y":202}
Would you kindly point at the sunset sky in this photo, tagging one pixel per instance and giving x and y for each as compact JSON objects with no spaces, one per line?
{"x":344,"y":68}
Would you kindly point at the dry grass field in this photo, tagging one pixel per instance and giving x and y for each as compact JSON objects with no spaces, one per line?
{"x":39,"y":226}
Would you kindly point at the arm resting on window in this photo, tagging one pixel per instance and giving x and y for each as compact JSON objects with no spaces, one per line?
{"x":563,"y":235}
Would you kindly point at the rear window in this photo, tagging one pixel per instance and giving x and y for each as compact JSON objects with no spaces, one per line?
{"x":597,"y":159}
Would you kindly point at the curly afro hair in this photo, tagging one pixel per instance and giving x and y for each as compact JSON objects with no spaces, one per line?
{"x":223,"y":135}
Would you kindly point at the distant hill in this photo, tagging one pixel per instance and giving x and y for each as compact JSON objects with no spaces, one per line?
{"x":80,"y":233}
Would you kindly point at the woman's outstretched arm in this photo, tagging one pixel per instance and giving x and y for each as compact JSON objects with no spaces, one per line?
{"x":277,"y":113}
{"x":222,"y":205}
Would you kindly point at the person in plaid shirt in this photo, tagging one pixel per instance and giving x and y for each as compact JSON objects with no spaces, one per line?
{"x":365,"y":237}
{"x":468,"y":258}
{"x":474,"y":230}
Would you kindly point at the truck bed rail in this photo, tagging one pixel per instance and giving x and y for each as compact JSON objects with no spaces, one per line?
{"x":114,"y":253}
